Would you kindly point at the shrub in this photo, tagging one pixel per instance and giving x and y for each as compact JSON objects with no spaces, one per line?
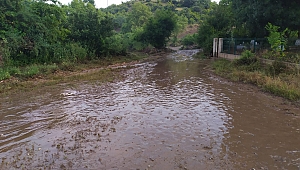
{"x":77,"y":52}
{"x":189,"y":40}
{"x":247,"y":58}
{"x":116,"y":44}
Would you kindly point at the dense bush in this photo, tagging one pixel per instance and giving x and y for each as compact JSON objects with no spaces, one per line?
{"x":36,"y":32}
{"x":189,"y":40}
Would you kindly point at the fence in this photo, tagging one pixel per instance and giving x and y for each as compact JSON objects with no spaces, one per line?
{"x":232,"y":48}
{"x":236,"y":46}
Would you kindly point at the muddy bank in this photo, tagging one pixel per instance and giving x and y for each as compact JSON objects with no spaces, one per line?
{"x":169,"y":113}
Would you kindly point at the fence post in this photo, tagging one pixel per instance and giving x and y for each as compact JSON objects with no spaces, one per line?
{"x":215,"y":47}
{"x":220,"y":49}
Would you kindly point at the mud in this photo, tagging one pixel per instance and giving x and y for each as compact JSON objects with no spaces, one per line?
{"x":165,"y":114}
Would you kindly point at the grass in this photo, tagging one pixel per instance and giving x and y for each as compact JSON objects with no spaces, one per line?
{"x":8,"y":72}
{"x":289,"y":56}
{"x":4,"y":74}
{"x":285,"y":84}
{"x":34,"y":76}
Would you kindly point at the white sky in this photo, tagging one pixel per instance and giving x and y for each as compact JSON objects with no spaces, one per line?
{"x":103,"y":3}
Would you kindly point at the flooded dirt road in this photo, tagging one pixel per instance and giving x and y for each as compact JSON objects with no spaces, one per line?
{"x":168,"y":114}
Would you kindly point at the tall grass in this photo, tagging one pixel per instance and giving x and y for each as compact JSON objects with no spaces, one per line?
{"x":7,"y":72}
{"x":30,"y":71}
{"x":26,"y":72}
{"x":4,"y":74}
{"x":282,"y":82}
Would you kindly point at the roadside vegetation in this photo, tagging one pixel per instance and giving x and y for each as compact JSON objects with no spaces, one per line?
{"x":249,"y":19}
{"x":276,"y":78}
{"x":36,"y":76}
{"x":41,"y":38}
{"x":276,"y":68}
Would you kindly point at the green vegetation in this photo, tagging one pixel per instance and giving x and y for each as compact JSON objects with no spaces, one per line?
{"x":251,"y":19}
{"x":218,"y":23}
{"x":42,"y":75}
{"x":276,"y":78}
{"x":158,"y":29}
{"x":29,"y":71}
{"x":252,"y":16}
{"x":41,"y":37}
{"x":277,"y":22}
{"x":38,"y":38}
{"x":189,"y":40}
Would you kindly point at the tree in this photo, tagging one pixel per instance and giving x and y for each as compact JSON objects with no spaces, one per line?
{"x":221,"y":18}
{"x":255,"y":15}
{"x":90,"y":1}
{"x":159,"y":28}
{"x":89,"y":26}
{"x":188,"y":3}
{"x":219,"y":23}
{"x":181,"y":23}
{"x":137,"y":17}
{"x":32,"y":29}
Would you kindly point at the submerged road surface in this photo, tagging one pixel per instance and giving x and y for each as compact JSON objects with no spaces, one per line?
{"x":167,"y":114}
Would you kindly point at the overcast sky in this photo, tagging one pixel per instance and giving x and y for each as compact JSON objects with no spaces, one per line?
{"x":103,"y":3}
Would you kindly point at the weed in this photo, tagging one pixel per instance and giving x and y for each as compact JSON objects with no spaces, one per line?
{"x":4,"y":74}
{"x":30,"y":71}
{"x":222,"y":66}
{"x":67,"y":66}
{"x":14,"y":71}
{"x":247,"y":58}
{"x":277,"y":78}
{"x":282,"y":88}
{"x":48,"y":69}
{"x":7,"y":72}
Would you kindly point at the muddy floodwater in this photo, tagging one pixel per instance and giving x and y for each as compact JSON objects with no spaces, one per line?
{"x":172,"y":113}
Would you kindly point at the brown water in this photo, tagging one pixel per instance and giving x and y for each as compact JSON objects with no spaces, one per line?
{"x":168,"y":114}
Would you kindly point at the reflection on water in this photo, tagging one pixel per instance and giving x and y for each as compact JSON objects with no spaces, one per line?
{"x":170,"y":114}
{"x":21,"y":116}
